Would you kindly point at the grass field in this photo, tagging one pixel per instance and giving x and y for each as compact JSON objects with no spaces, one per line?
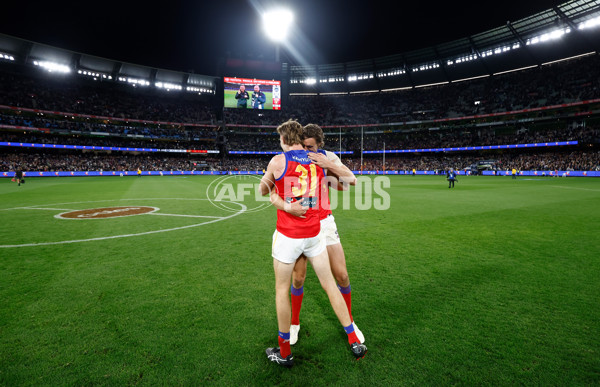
{"x":495,"y":282}
{"x":231,"y":102}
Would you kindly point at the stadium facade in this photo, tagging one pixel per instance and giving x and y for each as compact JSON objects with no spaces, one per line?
{"x":556,"y":41}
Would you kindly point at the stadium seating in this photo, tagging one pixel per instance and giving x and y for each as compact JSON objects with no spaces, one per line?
{"x":516,"y":108}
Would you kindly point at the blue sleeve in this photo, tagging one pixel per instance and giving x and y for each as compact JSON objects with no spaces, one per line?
{"x":286,"y":165}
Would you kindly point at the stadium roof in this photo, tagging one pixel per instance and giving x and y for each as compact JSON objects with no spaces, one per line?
{"x":552,"y":26}
{"x":531,"y":41}
{"x":57,"y":59}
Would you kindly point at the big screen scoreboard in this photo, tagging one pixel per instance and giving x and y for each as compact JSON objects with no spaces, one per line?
{"x":253,"y":87}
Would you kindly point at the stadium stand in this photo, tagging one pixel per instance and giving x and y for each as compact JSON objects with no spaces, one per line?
{"x":544,"y":103}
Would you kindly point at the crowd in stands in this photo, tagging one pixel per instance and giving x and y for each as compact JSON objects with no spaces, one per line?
{"x":425,"y":139}
{"x":371,"y":141}
{"x":241,"y":163}
{"x":123,"y":142}
{"x":575,"y":80}
{"x":565,"y":161}
{"x":77,"y":161}
{"x":85,"y":126}
{"x":476,"y":137}
{"x":118,"y":161}
{"x":103,"y":99}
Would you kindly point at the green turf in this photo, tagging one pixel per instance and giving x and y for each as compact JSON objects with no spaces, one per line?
{"x":231,"y":102}
{"x":495,"y":282}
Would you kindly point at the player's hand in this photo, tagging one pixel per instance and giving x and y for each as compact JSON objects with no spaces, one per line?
{"x":320,"y":159}
{"x":295,"y":209}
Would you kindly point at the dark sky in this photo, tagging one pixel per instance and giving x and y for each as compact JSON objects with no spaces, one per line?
{"x":190,"y":35}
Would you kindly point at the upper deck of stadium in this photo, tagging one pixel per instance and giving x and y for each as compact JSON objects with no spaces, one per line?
{"x":568,"y":30}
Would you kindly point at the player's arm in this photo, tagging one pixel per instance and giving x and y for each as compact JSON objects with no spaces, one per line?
{"x":335,"y":168}
{"x":345,"y":174}
{"x":294,"y":208}
{"x":276,"y":166}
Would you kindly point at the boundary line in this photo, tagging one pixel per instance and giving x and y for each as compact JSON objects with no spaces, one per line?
{"x":242,"y":210}
{"x":183,"y":215}
{"x":579,"y":188}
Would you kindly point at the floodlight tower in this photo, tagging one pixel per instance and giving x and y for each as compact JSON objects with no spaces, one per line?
{"x":276,"y":24}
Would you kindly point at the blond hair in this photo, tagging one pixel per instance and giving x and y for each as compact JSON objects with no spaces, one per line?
{"x":291,"y":131}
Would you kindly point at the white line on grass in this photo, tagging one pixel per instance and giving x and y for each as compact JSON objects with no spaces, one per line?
{"x":40,"y":208}
{"x":60,"y":216}
{"x":582,"y":189}
{"x":182,"y":215}
{"x":242,"y":210}
{"x":100,"y":201}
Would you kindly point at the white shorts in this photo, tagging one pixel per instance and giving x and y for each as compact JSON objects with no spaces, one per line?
{"x":288,"y":250}
{"x":329,"y":231}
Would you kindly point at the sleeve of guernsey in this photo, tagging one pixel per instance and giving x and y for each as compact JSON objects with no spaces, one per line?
{"x":351,"y":179}
{"x":333,"y":157}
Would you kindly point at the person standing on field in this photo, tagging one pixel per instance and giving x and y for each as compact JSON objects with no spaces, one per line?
{"x":297,"y":179}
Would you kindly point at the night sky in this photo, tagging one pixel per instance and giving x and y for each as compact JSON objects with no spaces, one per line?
{"x":186,"y":35}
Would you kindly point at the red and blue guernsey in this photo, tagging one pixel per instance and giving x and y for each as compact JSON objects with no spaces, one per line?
{"x":325,"y":207}
{"x":301,"y":180}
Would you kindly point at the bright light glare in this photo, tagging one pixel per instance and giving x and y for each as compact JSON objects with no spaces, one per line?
{"x":590,"y":23}
{"x":168,"y":86}
{"x":52,"y":66}
{"x":276,"y":24}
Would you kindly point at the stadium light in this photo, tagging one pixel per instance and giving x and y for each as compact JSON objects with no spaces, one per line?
{"x":168,"y":86}
{"x":590,"y":23}
{"x":134,"y":81}
{"x":6,"y":56}
{"x":548,"y":36}
{"x":52,"y":66}
{"x":276,"y":23}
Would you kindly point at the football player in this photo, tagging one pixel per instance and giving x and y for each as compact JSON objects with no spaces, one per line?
{"x":297,"y":179}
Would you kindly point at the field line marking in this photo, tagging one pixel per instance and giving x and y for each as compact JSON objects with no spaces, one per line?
{"x":243,"y":209}
{"x":582,"y":189}
{"x":183,"y":215}
{"x":60,"y":216}
{"x":43,"y":208}
{"x":103,"y":200}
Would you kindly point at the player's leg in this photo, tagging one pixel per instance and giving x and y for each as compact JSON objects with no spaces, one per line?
{"x":283,"y":274}
{"x":322,"y":268}
{"x":297,"y":290}
{"x":285,"y":251}
{"x":299,"y":274}
{"x":337,"y":260}
{"x":320,"y":264}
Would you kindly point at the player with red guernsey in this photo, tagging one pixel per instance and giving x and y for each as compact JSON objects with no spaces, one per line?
{"x":298,"y":180}
{"x":313,"y":140}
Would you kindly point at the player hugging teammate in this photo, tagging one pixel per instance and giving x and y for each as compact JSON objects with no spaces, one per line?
{"x":305,"y":231}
